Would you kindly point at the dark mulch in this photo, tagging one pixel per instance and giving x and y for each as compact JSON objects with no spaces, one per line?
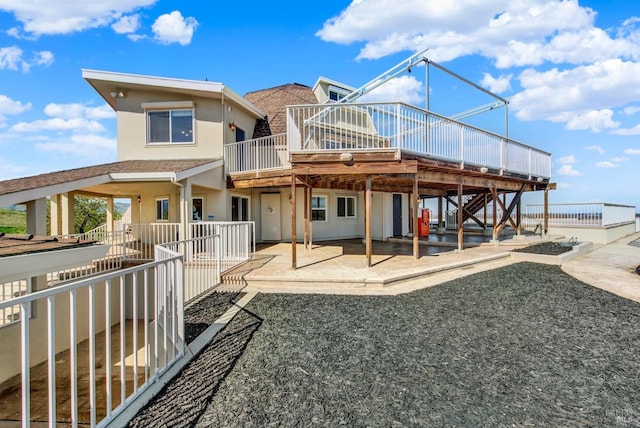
{"x":199,"y":316}
{"x":546,"y":248}
{"x":182,"y":402}
{"x":524,"y":345}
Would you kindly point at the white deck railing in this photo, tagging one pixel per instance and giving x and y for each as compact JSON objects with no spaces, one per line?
{"x":587,"y":214}
{"x":257,"y":154}
{"x":113,"y":259}
{"x":138,"y":312}
{"x":141,"y":238}
{"x":368,"y":126}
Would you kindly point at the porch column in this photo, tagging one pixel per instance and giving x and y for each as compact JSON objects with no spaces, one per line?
{"x":185,"y":209}
{"x":416,"y":238}
{"x":37,"y":217}
{"x":460,"y":228}
{"x":293,"y":221}
{"x":367,"y":220}
{"x":110,"y":214}
{"x":306,"y":216}
{"x":54,"y":215}
{"x":66,"y":214}
{"x":545,"y":214}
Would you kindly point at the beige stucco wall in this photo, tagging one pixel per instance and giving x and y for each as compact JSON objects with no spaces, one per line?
{"x":334,"y":227}
{"x":597,"y":235}
{"x":211,"y":129}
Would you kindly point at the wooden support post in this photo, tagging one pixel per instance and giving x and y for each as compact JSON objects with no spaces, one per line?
{"x":367,"y":220}
{"x":460,"y":228}
{"x":416,"y":237}
{"x":545,"y":214}
{"x":519,"y":215}
{"x":306,"y":217}
{"x":293,"y":221}
{"x":494,"y":193}
{"x":485,"y":209}
{"x":440,"y":216}
{"x":310,"y":218}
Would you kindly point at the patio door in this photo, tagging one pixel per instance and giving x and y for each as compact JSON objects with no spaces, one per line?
{"x":239,"y":208}
{"x":397,"y":214}
{"x":270,"y":217}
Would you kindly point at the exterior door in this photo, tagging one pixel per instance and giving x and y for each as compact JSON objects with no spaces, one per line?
{"x":397,"y":215}
{"x":270,"y":217}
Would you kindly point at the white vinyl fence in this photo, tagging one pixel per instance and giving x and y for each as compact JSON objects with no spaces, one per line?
{"x":576,"y":215}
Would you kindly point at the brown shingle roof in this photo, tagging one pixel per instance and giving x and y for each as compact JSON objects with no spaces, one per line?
{"x":273,"y":101}
{"x":13,"y":245}
{"x":66,"y":176}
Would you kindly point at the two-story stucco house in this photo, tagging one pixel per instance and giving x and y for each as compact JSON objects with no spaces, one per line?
{"x":195,"y":151}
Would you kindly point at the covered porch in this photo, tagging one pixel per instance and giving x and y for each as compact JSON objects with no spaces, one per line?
{"x":392,"y":148}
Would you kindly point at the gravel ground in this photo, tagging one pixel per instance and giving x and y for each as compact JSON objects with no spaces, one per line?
{"x":523,"y":345}
{"x":548,"y":248}
{"x":182,"y":402}
{"x":201,"y":314}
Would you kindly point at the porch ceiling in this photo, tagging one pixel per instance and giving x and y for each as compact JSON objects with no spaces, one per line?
{"x":389,"y":174}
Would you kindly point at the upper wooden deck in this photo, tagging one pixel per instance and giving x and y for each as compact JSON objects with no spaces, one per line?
{"x":339,"y":145}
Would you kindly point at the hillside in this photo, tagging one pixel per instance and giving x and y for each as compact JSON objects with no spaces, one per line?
{"x":12,"y":221}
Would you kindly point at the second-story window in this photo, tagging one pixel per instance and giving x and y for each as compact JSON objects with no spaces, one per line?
{"x":170,"y":126}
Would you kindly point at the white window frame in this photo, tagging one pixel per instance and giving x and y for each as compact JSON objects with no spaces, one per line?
{"x":325,"y":209}
{"x":168,"y":209}
{"x":169,"y":107}
{"x":346,"y":206}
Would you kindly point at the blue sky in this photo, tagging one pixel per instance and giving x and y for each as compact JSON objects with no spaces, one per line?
{"x":572,"y":68}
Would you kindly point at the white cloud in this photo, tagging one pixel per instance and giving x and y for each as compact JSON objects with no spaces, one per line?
{"x":67,"y":16}
{"x":126,"y":24}
{"x":11,"y":107}
{"x":405,"y":89}
{"x":76,"y":118}
{"x":44,"y":58}
{"x":595,"y":120}
{"x":571,"y":159}
{"x":10,"y":170}
{"x":77,"y":110}
{"x":596,"y":148}
{"x":619,"y":159}
{"x":627,"y":131}
{"x":631,"y":110}
{"x":567,"y":170}
{"x":93,"y":147}
{"x":632,"y":151}
{"x":512,"y":32}
{"x":58,"y":124}
{"x":581,"y":97}
{"x":174,"y":28}
{"x":606,"y":164}
{"x":12,"y":58}
{"x":497,"y":84}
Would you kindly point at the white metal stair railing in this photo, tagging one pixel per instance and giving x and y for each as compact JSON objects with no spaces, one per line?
{"x":137,"y":311}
